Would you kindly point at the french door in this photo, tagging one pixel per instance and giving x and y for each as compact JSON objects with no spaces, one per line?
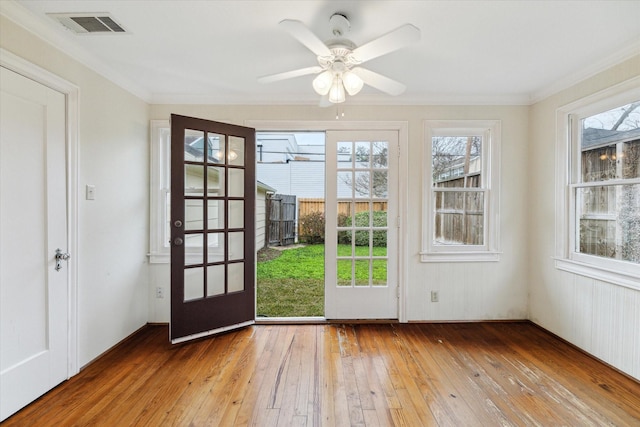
{"x":361,"y":241}
{"x":212,"y":227}
{"x":34,"y":283}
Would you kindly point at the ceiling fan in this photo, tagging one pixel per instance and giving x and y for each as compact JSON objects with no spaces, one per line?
{"x":339,"y":59}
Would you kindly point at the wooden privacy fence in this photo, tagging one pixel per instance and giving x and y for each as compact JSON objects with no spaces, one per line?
{"x":307,"y":206}
{"x":281,"y":220}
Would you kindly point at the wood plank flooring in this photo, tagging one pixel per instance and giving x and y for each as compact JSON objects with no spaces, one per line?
{"x":476,"y":374}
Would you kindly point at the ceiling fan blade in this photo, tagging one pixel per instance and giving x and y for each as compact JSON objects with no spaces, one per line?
{"x":378,"y":81}
{"x":304,"y":35}
{"x":394,"y":40}
{"x":290,"y":74}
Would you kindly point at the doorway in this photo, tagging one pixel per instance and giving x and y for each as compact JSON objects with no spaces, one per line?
{"x":366,"y":235}
{"x":38,"y":334}
{"x":290,"y":224}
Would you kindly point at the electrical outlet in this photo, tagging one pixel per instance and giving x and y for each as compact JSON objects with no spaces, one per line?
{"x":435,"y":296}
{"x":159,"y":292}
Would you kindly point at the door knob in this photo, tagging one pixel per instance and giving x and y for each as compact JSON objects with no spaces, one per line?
{"x":61,"y":256}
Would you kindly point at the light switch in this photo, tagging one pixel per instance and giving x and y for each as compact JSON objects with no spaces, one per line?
{"x":91,"y":192}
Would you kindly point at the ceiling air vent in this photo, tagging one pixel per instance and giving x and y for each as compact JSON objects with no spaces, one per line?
{"x":89,"y":23}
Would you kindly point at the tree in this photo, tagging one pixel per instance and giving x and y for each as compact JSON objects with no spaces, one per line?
{"x":367,"y":184}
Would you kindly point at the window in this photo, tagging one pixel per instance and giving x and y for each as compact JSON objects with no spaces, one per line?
{"x":160,"y":209}
{"x":601,"y":228}
{"x":461,"y":191}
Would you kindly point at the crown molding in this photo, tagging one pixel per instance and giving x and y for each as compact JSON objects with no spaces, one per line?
{"x":625,"y":53}
{"x":42,"y":29}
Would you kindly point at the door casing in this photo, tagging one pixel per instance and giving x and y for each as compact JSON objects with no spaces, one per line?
{"x":70,"y":91}
{"x":402,"y":127}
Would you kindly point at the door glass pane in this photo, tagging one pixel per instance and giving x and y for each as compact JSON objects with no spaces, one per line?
{"x":361,"y":185}
{"x":236,"y":151}
{"x":236,"y":245}
{"x":344,"y":272}
{"x":236,"y":277}
{"x":236,"y":182}
{"x":193,"y":283}
{"x":215,"y":280}
{"x":194,"y":146}
{"x":193,"y":213}
{"x":379,"y":272}
{"x":215,"y":249}
{"x":345,"y":184}
{"x":215,"y":181}
{"x":193,"y":249}
{"x":380,"y":186}
{"x":344,"y":243}
{"x":363,"y":155}
{"x":380,"y":153}
{"x":345,"y":218}
{"x":236,"y":214}
{"x":193,"y":180}
{"x":215,"y":214}
{"x":215,"y":151}
{"x":345,"y":152}
{"x":362,"y":272}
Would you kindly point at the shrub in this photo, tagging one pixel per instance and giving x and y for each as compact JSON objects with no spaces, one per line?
{"x":362,"y":237}
{"x":312,"y":228}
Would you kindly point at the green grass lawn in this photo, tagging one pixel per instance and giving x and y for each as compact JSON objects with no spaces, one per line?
{"x":291,"y":281}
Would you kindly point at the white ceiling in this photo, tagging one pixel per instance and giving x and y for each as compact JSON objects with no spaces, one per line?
{"x":470,"y":52}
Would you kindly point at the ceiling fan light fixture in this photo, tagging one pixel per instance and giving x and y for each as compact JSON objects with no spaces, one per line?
{"x":336,"y":93}
{"x":322,"y":83}
{"x":352,"y":82}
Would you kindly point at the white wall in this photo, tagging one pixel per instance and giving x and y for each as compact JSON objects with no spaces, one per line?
{"x":468,"y":291}
{"x":599,"y":317}
{"x":113,"y":229}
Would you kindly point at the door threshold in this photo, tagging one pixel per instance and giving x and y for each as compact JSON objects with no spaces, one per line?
{"x":315,"y":320}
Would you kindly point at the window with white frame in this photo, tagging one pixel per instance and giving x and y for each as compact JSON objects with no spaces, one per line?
{"x":601,"y":228}
{"x":461,"y":191}
{"x":160,"y":207}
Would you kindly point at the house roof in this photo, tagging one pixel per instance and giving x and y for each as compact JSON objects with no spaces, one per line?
{"x":595,"y":138}
{"x":470,"y":52}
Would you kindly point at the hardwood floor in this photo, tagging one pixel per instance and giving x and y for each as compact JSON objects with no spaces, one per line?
{"x":477,"y":374}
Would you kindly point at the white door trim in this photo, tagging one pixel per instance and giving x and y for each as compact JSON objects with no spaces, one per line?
{"x":71,"y":92}
{"x":402,"y":127}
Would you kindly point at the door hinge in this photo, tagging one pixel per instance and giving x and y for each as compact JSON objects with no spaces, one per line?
{"x":398,"y":222}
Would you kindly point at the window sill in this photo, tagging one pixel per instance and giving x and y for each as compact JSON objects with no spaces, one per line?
{"x":598,"y":273}
{"x":159,"y":258}
{"x":460,"y":256}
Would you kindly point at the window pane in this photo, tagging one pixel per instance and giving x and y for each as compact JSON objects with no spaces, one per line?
{"x":193,"y":180}
{"x":363,"y":154}
{"x":215,"y":214}
{"x":215,"y":280}
{"x":236,"y":151}
{"x":236,"y":213}
{"x":236,"y":277}
{"x":380,"y":153}
{"x":610,"y":144}
{"x":459,"y":218}
{"x":215,"y":181}
{"x":193,"y":283}
{"x":194,"y":147}
{"x":456,"y":161}
{"x":236,"y":182}
{"x":609,"y":221}
{"x":344,"y":267}
{"x":379,"y":272}
{"x":215,"y":148}
{"x":193,"y":215}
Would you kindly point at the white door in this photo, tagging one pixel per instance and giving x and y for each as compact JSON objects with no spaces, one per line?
{"x":33,"y":224}
{"x":361,"y":238}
